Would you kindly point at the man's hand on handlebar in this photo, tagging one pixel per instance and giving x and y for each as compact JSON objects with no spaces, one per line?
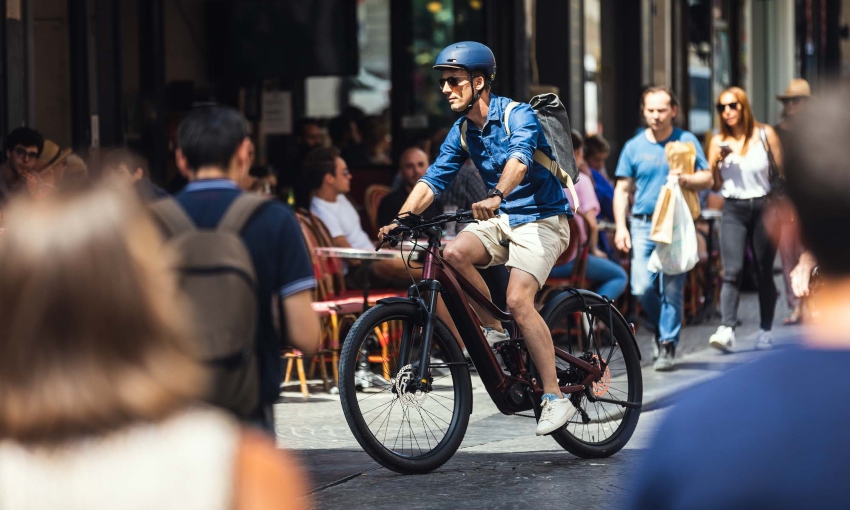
{"x":486,"y":209}
{"x":383,"y":231}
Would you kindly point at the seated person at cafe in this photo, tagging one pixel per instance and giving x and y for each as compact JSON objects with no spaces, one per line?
{"x":330,"y":180}
{"x":608,"y":278}
{"x":596,"y":151}
{"x":412,"y":166}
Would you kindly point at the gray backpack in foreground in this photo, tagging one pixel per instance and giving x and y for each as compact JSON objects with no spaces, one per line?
{"x":217,"y":278}
{"x":553,"y":117}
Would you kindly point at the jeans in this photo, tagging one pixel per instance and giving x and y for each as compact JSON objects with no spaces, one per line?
{"x":743,"y":225}
{"x":659,"y":294}
{"x":610,"y":276}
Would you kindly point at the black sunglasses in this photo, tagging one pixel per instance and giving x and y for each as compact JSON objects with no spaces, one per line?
{"x":24,"y":154}
{"x":722,"y":107}
{"x":794,"y":100}
{"x":453,"y":81}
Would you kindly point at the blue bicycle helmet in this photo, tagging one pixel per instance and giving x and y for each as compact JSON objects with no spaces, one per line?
{"x":469,"y":55}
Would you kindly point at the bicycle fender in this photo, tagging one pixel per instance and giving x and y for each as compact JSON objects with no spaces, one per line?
{"x":566,"y":294}
{"x":418,"y":303}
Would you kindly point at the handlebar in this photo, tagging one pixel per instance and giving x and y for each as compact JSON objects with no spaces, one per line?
{"x":411,"y":226}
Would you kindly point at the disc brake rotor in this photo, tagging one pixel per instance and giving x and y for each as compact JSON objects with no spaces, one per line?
{"x":601,"y":386}
{"x":403,"y":380}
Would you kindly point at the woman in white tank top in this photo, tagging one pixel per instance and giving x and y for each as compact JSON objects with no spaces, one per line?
{"x":741,"y":157}
{"x":99,"y":385}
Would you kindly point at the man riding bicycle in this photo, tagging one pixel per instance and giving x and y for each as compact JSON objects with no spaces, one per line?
{"x":525,"y":208}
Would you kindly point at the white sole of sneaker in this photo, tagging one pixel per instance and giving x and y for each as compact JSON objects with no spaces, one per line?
{"x":554,"y":428}
{"x":720,"y":346}
{"x":664,"y":367}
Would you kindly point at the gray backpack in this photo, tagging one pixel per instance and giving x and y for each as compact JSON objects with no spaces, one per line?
{"x":217,"y":277}
{"x":553,"y":117}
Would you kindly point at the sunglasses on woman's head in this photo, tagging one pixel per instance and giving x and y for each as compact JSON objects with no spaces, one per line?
{"x":453,"y":81}
{"x":722,"y":107}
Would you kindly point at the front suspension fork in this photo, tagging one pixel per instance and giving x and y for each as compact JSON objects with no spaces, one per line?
{"x":423,"y":378}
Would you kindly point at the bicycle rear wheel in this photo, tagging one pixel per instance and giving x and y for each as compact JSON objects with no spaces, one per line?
{"x":404,"y":429}
{"x":583,"y":327}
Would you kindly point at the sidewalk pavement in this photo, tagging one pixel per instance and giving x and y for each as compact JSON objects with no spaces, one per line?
{"x":316,"y":431}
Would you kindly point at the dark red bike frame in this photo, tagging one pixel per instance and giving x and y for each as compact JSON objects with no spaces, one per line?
{"x":438,"y":276}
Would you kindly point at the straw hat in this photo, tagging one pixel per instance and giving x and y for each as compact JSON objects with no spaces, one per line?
{"x":797,"y":88}
{"x":51,"y":154}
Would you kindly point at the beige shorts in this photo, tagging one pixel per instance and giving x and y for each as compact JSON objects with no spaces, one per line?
{"x":534,"y":247}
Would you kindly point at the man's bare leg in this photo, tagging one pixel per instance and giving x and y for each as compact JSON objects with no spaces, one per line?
{"x":522,"y":288}
{"x":464,"y":253}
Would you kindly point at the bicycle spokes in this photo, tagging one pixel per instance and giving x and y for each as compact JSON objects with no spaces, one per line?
{"x":587,"y":336}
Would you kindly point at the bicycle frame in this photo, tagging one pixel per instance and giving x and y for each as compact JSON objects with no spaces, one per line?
{"x":438,"y":276}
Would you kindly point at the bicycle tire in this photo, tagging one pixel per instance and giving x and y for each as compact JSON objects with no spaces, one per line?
{"x":585,"y":445}
{"x":444,"y":448}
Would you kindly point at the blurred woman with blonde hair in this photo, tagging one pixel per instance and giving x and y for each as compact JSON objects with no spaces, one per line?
{"x":743,"y":156}
{"x":97,"y":380}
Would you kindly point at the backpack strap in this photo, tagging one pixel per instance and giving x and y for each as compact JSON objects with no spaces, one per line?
{"x":508,"y":110}
{"x":172,"y":216}
{"x":240,"y":211}
{"x":463,"y":136}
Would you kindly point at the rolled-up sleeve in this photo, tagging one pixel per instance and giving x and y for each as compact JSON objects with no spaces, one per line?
{"x":452,"y":156}
{"x":525,"y":130}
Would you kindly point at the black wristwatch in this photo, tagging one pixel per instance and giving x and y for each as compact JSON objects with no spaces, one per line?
{"x":496,"y":193}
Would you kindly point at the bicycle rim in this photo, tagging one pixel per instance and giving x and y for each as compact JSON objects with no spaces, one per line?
{"x":403,"y":428}
{"x":600,"y":428}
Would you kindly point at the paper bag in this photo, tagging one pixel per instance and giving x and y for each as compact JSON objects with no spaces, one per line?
{"x":680,"y":254}
{"x":682,"y":158}
{"x":661,"y":230}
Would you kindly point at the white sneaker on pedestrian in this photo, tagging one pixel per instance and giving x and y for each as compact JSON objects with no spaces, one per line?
{"x":493,"y":337}
{"x":723,"y":339}
{"x":764,"y":340}
{"x":554,"y":413}
{"x":666,"y":357}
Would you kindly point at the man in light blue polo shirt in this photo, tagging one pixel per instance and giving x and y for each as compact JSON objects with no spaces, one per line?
{"x":525,"y":207}
{"x":643,"y":165}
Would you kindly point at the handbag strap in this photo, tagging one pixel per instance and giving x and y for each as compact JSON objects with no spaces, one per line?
{"x":771,"y":163}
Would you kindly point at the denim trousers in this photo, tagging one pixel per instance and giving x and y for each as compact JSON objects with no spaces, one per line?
{"x":659,"y":294}
{"x":610,"y":277}
{"x":743,"y":225}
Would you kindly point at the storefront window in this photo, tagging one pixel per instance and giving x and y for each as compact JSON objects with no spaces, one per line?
{"x":699,"y":66}
{"x":436,"y":24}
{"x":369,"y":90}
{"x":592,"y":67}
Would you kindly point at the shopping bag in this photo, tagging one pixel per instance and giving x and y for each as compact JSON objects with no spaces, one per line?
{"x":680,"y":255}
{"x":682,"y":158}
{"x":661,"y":230}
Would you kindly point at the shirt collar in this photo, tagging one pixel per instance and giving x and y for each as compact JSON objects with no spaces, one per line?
{"x":208,"y":184}
{"x":495,"y":112}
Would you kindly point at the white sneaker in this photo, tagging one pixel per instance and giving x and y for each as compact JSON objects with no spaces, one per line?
{"x":723,"y":339}
{"x":554,"y":414}
{"x":493,"y":337}
{"x":764,"y":340}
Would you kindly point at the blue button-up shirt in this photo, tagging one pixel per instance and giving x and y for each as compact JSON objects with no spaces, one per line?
{"x":539,"y":195}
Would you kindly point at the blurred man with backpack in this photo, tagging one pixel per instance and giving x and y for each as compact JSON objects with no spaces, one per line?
{"x":524,"y":219}
{"x":242,"y":261}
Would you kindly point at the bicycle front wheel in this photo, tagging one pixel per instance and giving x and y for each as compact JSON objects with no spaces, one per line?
{"x":403,"y":428}
{"x":583,"y":327}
